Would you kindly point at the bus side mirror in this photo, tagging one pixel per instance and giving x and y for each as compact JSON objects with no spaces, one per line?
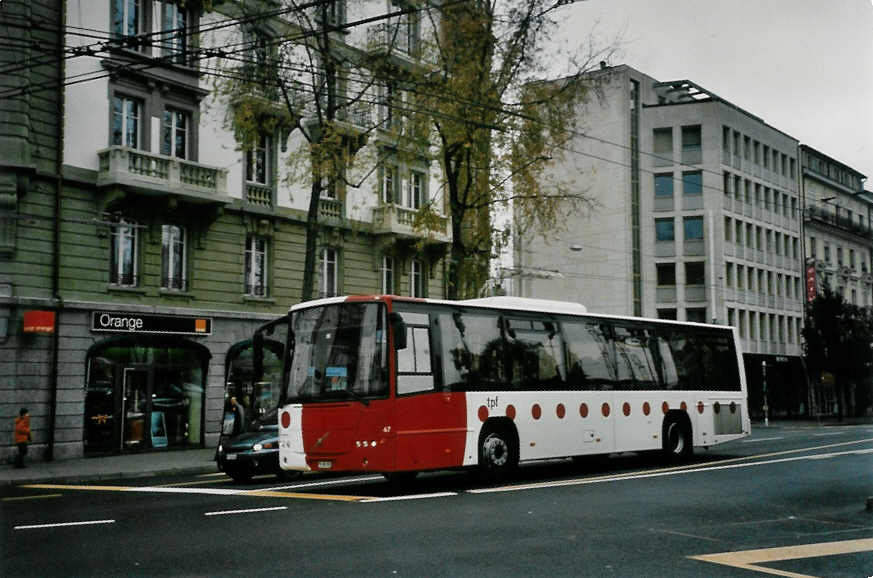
{"x":398,"y":329}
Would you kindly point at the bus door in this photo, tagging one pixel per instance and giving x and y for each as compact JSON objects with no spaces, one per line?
{"x":429,"y":422}
{"x":636,"y":414}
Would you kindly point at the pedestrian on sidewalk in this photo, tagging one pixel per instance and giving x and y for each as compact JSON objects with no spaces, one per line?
{"x":22,"y":435}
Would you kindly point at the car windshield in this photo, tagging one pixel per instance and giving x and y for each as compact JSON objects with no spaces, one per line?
{"x":340,"y":352}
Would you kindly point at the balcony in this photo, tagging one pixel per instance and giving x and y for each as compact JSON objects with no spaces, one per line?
{"x":157,"y":175}
{"x":330,"y":211}
{"x":826,"y":216}
{"x":400,"y":221}
{"x":387,"y":38}
{"x":259,"y":195}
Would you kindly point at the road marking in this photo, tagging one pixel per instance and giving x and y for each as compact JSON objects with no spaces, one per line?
{"x":675,"y":533}
{"x":249,"y":511}
{"x":748,"y":559}
{"x":40,"y":496}
{"x":63,"y":524}
{"x":200,"y":491}
{"x":762,"y":440}
{"x":336,"y":482}
{"x":655,"y":473}
{"x":832,"y":433}
{"x":412,"y":497}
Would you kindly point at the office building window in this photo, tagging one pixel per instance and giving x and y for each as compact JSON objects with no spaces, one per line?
{"x":695,"y":273}
{"x":667,"y":314}
{"x":256,"y":266}
{"x":695,"y":314}
{"x":126,"y":114}
{"x":663,"y":142}
{"x":666,"y":274}
{"x":664,"y":230}
{"x":693,"y":227}
{"x":173,"y":258}
{"x":664,"y":185}
{"x":692,"y":183}
{"x":691,"y":138}
{"x":123,"y":253}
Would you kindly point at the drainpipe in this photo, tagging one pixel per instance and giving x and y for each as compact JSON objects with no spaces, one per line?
{"x":56,"y":240}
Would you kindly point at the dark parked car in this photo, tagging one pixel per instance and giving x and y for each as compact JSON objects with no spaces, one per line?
{"x":252,"y":452}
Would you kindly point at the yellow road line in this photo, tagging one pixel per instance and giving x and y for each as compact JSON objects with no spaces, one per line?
{"x":748,"y":559}
{"x":37,"y":497}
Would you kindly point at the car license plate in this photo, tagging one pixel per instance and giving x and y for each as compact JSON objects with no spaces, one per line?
{"x":325,"y":465}
{"x":230,"y":457}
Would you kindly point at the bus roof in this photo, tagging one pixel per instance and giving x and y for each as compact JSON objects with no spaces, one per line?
{"x":497,"y":302}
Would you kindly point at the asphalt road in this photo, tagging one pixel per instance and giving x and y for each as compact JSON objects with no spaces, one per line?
{"x":789,"y":501}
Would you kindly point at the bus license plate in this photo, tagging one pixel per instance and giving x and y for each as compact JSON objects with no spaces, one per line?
{"x":325,"y":465}
{"x":230,"y":457}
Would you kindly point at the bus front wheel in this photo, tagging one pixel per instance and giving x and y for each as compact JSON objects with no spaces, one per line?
{"x":677,"y":441}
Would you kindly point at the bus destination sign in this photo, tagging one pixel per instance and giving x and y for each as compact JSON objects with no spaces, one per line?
{"x":120,"y":322}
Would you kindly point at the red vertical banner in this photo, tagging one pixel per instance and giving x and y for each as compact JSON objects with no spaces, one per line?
{"x":810,"y":283}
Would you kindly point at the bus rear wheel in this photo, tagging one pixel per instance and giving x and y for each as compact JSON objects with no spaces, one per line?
{"x":677,"y":441}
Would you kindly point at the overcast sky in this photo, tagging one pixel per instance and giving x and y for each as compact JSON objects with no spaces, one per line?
{"x":804,"y":66}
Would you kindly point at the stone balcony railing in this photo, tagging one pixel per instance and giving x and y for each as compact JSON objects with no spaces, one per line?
{"x":155,"y":174}
{"x":400,"y":221}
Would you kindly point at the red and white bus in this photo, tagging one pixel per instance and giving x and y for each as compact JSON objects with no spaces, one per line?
{"x":399,"y":385}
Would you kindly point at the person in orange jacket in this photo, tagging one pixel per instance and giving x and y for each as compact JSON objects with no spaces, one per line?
{"x":22,"y":435}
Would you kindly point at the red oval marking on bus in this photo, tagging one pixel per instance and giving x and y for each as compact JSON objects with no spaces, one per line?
{"x":583,"y":410}
{"x":665,"y":407}
{"x":510,"y":411}
{"x":604,"y":409}
{"x":625,"y":409}
{"x":683,"y":406}
{"x":699,"y":407}
{"x":286,"y":419}
{"x":483,"y":413}
{"x":536,"y":411}
{"x":560,"y":411}
{"x":646,"y":408}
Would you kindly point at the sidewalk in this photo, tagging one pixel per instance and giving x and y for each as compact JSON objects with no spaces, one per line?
{"x":110,"y":467}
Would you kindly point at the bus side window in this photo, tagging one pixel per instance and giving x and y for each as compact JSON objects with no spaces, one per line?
{"x":635,"y":361}
{"x":414,"y":372}
{"x":535,"y":353}
{"x":588,"y":356}
{"x":471,"y":350}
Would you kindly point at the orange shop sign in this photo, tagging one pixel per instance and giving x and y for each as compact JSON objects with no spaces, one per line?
{"x":39,"y":322}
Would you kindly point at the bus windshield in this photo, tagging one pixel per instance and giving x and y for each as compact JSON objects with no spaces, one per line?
{"x":340,"y":352}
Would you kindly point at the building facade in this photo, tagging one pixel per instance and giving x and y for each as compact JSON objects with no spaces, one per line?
{"x":696,"y":216}
{"x":838,"y":245}
{"x":142,"y":240}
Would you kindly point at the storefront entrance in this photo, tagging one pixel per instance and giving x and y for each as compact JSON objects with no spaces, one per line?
{"x":144,"y":393}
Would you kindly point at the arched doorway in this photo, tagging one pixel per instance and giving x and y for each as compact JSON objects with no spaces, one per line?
{"x":144,"y":392}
